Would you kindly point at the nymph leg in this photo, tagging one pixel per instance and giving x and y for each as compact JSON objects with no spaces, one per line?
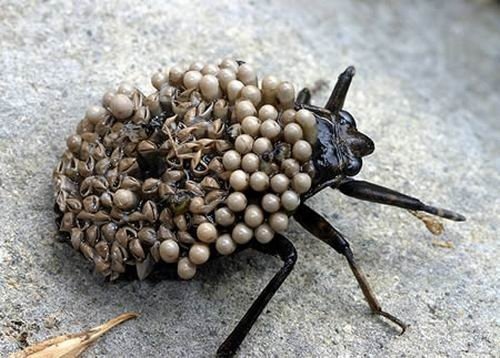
{"x":323,"y":230}
{"x":378,"y":194}
{"x":282,"y":247}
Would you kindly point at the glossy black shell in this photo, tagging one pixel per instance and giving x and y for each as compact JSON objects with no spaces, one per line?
{"x":338,"y":149}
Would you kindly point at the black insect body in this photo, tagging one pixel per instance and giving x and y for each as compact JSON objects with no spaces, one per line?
{"x":210,"y":165}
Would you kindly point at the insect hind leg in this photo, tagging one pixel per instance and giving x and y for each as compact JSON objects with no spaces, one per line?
{"x":364,"y":190}
{"x":279,"y":246}
{"x":323,"y":230}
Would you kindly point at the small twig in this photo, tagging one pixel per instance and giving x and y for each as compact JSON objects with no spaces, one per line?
{"x":431,"y":223}
{"x":443,"y":244}
{"x":71,"y":345}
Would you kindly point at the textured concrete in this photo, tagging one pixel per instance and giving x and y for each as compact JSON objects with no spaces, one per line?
{"x":427,"y":92}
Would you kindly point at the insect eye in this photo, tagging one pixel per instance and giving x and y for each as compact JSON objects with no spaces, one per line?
{"x":353,"y":167}
{"x":347,"y":119}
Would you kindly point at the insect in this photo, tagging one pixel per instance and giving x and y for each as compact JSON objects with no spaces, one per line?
{"x":210,"y":164}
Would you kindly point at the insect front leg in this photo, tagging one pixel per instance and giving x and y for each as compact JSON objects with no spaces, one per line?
{"x":339,"y":93}
{"x":323,"y":230}
{"x":364,"y":190}
{"x":304,"y":97}
{"x":283,"y":248}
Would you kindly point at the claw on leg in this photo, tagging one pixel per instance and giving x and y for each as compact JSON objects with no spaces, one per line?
{"x":369,"y":295}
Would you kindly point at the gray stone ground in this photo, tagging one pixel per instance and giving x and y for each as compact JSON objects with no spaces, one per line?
{"x":427,"y":93}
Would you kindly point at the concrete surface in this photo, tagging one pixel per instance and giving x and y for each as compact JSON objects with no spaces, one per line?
{"x":427,"y":92}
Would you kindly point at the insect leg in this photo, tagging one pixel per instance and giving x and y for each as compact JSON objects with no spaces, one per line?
{"x":282,"y":247}
{"x":323,"y":230}
{"x":304,"y":96}
{"x":339,"y":93}
{"x":378,"y":194}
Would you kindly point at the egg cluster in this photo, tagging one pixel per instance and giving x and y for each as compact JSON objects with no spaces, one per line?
{"x":209,"y":161}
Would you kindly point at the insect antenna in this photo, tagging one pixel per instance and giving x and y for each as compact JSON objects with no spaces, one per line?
{"x":339,"y":93}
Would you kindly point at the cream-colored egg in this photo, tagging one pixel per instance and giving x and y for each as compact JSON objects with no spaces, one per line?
{"x":259,"y":181}
{"x":250,"y":163}
{"x":286,"y":94}
{"x":210,"y":69}
{"x":271,"y":203}
{"x":186,"y":269}
{"x":244,"y":109}
{"x":176,"y":75}
{"x":279,"y":222}
{"x":225,"y":245}
{"x":305,"y":118}
{"x":234,"y":88}
{"x":239,"y":180}
{"x":107,"y":97}
{"x":288,"y":116}
{"x":253,"y":216}
{"x":302,"y":151}
{"x":121,"y":106}
{"x":196,"y":66}
{"x":241,"y":233}
{"x":229,"y":63}
{"x":158,"y":79}
{"x":225,"y":76}
{"x":252,"y":93}
{"x":243,"y":143}
{"x":192,"y":79}
{"x":279,"y":183}
{"x":270,"y":129}
{"x":290,"y":200}
{"x":209,"y":87}
{"x":290,"y":167}
{"x":224,"y":216}
{"x":206,"y":232}
{"x":246,"y":74}
{"x":169,"y":251}
{"x":269,"y":88}
{"x":95,"y":114}
{"x":268,"y":111}
{"x":125,"y":199}
{"x":251,"y":126}
{"x":301,"y":183}
{"x":264,"y":233}
{"x":262,"y":145}
{"x":199,"y":253}
{"x":74,"y":143}
{"x":292,"y":133}
{"x":127,"y":89}
{"x":231,"y":160}
{"x":236,"y":201}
